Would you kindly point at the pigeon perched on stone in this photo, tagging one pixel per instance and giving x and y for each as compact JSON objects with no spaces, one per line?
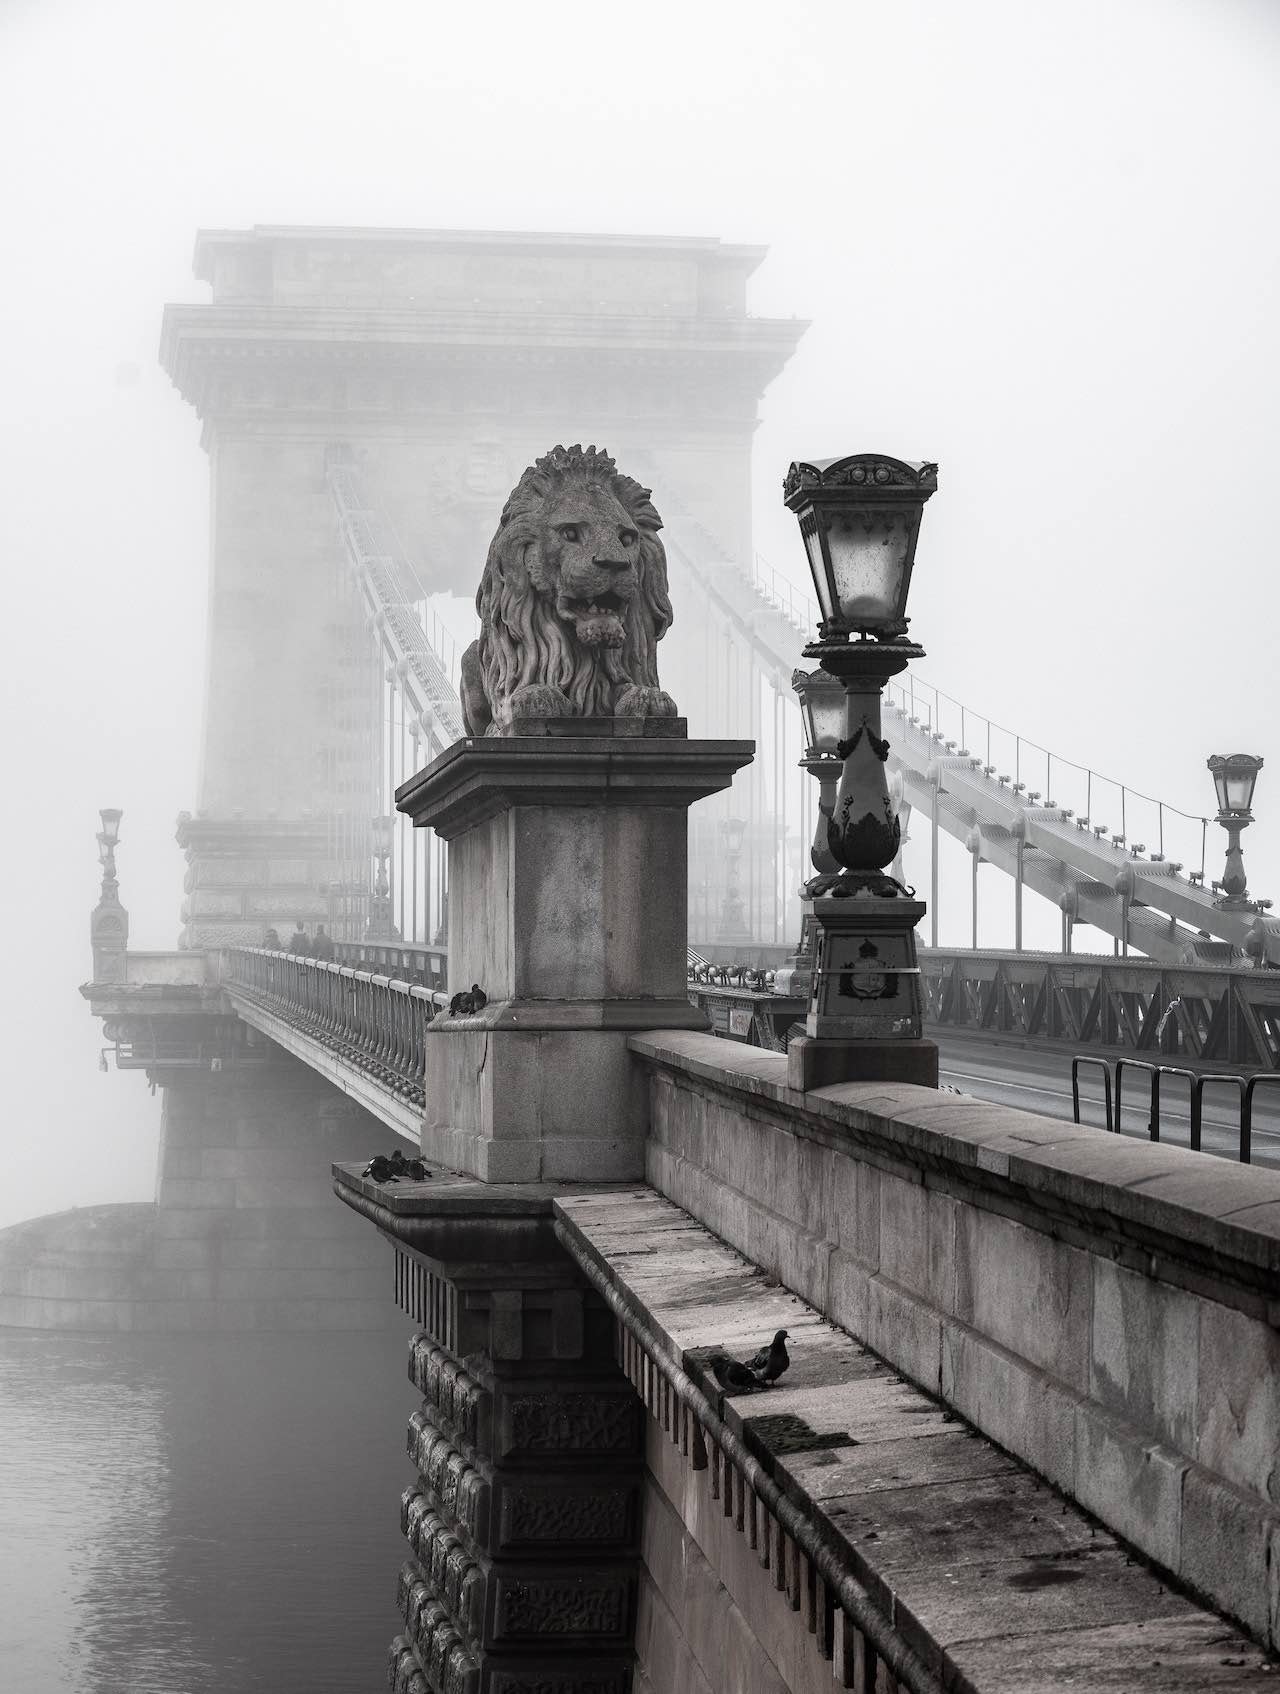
{"x":394,"y":1167}
{"x":468,"y":1001}
{"x":770,"y":1362}
{"x":732,"y":1375}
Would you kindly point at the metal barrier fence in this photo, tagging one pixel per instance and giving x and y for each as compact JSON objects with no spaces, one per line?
{"x":1245,"y":1090}
{"x":376,"y":1023}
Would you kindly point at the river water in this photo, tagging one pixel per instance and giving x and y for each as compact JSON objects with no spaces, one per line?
{"x":208,"y":1514}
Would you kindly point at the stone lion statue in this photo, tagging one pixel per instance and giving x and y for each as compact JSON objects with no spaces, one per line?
{"x":573,"y":600}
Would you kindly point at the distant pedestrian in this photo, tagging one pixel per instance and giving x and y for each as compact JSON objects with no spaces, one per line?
{"x":322,"y":946}
{"x":272,"y":942}
{"x":300,"y":941}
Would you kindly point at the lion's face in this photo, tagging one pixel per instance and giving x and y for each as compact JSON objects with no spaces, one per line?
{"x":587,"y":561}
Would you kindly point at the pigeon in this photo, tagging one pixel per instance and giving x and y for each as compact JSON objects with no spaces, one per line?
{"x":733,"y":1376}
{"x":391,"y":1167}
{"x":468,"y":1001}
{"x":770,"y":1362}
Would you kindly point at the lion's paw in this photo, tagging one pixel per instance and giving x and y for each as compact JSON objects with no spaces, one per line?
{"x":539,"y":700}
{"x":636,"y":702}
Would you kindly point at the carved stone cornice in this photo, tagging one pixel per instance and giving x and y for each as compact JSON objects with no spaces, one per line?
{"x":211,"y":351}
{"x":248,"y":838}
{"x":477,"y":778}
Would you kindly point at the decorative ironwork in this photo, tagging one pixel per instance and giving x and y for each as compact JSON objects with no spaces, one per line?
{"x":376,"y":1023}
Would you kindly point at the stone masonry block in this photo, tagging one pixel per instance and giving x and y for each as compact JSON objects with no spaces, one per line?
{"x":1025,"y":1291}
{"x":228,"y":873}
{"x":291,"y":1193}
{"x":261,"y":1161}
{"x":210,"y":903}
{"x":1145,"y":1361}
{"x":906,"y":1331}
{"x":847,"y":1280}
{"x":182,"y":1254}
{"x":1225,"y":1534}
{"x":1135,"y":1489}
{"x":296,"y":902}
{"x":1019,"y":1406}
{"x":195,"y":1193}
{"x":1238,"y":1403}
{"x":917,"y":1239}
{"x":663,"y":1552}
{"x":802,"y":1178}
{"x":855,"y":1200}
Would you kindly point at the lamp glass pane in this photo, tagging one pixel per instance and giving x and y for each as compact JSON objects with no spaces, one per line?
{"x":1239,"y":786}
{"x":868,"y":561}
{"x":818,"y":570}
{"x":827,"y":712}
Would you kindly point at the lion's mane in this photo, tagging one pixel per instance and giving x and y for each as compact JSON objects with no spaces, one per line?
{"x":522,"y":638}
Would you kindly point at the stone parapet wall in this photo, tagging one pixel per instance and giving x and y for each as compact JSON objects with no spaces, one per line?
{"x":1105,"y":1310}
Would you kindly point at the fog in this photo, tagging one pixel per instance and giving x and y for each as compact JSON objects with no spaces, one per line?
{"x":1038,"y":243}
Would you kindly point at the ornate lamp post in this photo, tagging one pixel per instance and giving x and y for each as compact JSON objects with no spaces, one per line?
{"x":733,"y":916}
{"x":823,"y":713}
{"x":859,"y":518}
{"x":109,"y":923}
{"x":1234,"y":778}
{"x":380,"y":926}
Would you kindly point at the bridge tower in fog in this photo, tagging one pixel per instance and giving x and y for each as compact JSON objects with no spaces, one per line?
{"x":435,"y":366}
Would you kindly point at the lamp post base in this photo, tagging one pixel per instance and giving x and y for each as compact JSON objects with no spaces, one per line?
{"x":814,"y":1062}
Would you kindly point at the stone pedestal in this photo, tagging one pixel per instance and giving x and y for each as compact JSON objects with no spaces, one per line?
{"x":523,"y":1517}
{"x":567,"y":906}
{"x":866,"y":1007}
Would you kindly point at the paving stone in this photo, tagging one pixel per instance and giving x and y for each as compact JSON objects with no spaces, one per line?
{"x":1183,"y":1653}
{"x":957,"y":1523}
{"x":944,"y":1604}
{"x":903,"y":1462}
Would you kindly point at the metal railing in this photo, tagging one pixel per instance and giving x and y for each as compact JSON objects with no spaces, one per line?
{"x":376,"y":1023}
{"x":1245,"y":1088}
{"x":403,"y":961}
{"x":1141,"y":822}
{"x":799,"y":609}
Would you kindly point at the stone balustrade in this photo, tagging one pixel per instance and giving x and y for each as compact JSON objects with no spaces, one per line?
{"x":374,"y":1023}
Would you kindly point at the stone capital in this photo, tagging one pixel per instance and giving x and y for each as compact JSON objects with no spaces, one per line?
{"x":480,"y":778}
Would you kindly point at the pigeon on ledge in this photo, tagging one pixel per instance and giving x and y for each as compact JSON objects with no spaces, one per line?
{"x":770,"y":1362}
{"x":732,"y":1375}
{"x":394,"y":1167}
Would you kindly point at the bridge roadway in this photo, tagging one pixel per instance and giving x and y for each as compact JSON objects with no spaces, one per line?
{"x":1036,"y":1078}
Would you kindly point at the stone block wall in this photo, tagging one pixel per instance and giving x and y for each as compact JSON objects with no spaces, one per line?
{"x":1107,"y":1311}
{"x":711,"y":1618}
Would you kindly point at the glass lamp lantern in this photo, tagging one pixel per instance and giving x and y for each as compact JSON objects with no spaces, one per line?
{"x":382,"y":827}
{"x":1234,"y":778}
{"x":733,"y":829}
{"x":110,"y":816}
{"x":824,"y":711}
{"x":859,"y":519}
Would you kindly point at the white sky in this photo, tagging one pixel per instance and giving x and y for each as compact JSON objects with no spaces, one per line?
{"x":1039,"y":243}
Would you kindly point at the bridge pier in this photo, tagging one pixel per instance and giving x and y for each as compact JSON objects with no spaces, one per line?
{"x":243,"y":1234}
{"x":523,"y":1522}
